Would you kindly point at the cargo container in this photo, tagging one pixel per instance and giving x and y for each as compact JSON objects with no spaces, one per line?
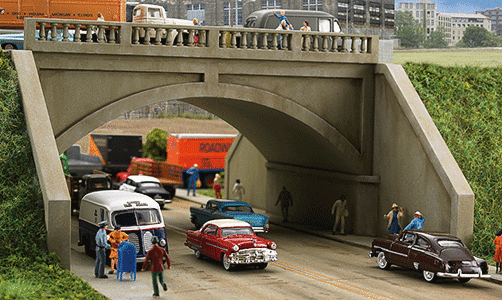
{"x":208,"y":151}
{"x":116,"y":151}
{"x":14,"y":11}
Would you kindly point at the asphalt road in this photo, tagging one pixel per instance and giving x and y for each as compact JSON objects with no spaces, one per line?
{"x":308,"y":268}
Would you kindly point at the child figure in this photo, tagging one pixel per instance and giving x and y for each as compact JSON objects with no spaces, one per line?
{"x":115,"y":237}
{"x":498,"y":251}
{"x":217,"y":186}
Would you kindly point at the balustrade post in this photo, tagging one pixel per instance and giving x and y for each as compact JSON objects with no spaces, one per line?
{"x":169,"y":37}
{"x":191,"y":34}
{"x":334,"y":45}
{"x":101,"y":33}
{"x":285,"y":44}
{"x":179,"y":38}
{"x":146,"y":40}
{"x":363,"y":44}
{"x":305,"y":42}
{"x":254,"y":40}
{"x":111,"y":38}
{"x":41,"y":32}
{"x":66,"y":35}
{"x":77,"y":38}
{"x":264,"y":41}
{"x":244,"y":40}
{"x":88,"y":35}
{"x":223,"y":35}
{"x":325,"y":43}
{"x":315,"y":44}
{"x":135,"y":35}
{"x":54,"y":32}
{"x":353,"y":45}
{"x":344,"y":44}
{"x":202,"y":38}
{"x":274,"y":42}
{"x":233,"y":39}
{"x":158,"y":36}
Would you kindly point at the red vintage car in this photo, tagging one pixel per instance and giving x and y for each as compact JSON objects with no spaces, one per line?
{"x":232,"y":242}
{"x":434,"y":254}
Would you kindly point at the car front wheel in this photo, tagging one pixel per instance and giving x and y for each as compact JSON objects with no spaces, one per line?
{"x":198,"y":254}
{"x":382,"y":261}
{"x":226,"y":263}
{"x":430,"y":276}
{"x":463,"y":280}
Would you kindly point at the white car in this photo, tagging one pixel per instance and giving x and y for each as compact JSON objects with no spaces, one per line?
{"x":149,"y":186}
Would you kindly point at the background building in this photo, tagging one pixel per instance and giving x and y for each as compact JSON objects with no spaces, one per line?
{"x":424,"y":12}
{"x":459,"y":22}
{"x":374,"y":17}
{"x":496,"y":16}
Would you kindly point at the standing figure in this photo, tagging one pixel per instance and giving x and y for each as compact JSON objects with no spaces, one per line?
{"x":101,"y":246}
{"x":340,"y":211}
{"x":286,"y":199}
{"x":282,"y":17}
{"x":394,"y":217}
{"x":498,"y":251}
{"x":305,"y":40}
{"x":192,"y":180}
{"x":238,"y":190}
{"x":196,"y":34}
{"x":115,"y":237}
{"x":217,"y":186}
{"x":417,"y":222}
{"x":155,"y":257}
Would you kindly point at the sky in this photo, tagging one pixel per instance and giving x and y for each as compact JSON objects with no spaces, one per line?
{"x":465,"y":7}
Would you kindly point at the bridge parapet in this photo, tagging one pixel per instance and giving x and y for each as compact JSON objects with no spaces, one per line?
{"x":197,"y":41}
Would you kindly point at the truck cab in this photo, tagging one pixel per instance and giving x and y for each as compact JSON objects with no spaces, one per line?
{"x":138,"y":215}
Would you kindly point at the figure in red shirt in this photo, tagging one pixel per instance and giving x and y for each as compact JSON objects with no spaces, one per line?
{"x":155,"y":257}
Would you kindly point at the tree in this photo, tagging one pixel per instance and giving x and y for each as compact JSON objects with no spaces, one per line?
{"x":155,"y":146}
{"x":409,"y":30}
{"x":475,"y":36}
{"x":437,"y":39}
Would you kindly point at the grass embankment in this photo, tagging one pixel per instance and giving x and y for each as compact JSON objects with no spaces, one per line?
{"x":27,"y":271}
{"x":483,"y":57}
{"x":466,"y":106}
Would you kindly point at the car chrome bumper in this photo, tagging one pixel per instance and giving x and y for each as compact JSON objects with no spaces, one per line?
{"x":253,"y":256}
{"x":459,"y":274}
{"x":260,"y":229}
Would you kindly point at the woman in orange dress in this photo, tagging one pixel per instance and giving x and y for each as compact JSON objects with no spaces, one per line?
{"x":498,"y":251}
{"x":115,"y":237}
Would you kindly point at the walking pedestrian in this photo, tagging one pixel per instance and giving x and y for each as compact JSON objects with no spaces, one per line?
{"x":238,"y":190}
{"x":217,"y":186}
{"x":101,"y":246}
{"x":340,"y":211}
{"x":498,"y":251}
{"x":155,"y":257}
{"x":286,"y":200}
{"x":192,"y":180}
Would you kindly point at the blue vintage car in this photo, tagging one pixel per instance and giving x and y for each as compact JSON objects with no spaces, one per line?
{"x":228,"y":209}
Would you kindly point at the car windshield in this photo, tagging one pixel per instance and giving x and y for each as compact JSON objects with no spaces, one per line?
{"x":137,"y":217}
{"x":149,"y":184}
{"x":236,"y":231}
{"x":237,"y":208}
{"x":450,"y":244}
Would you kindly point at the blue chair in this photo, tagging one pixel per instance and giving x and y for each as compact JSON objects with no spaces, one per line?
{"x":126,"y":261}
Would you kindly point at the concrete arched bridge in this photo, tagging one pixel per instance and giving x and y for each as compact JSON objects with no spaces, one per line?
{"x":317,"y":114}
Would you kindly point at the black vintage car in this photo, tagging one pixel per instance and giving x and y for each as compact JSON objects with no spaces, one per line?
{"x":434,"y":254}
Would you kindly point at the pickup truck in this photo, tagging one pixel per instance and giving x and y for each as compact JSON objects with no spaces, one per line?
{"x":228,"y":209}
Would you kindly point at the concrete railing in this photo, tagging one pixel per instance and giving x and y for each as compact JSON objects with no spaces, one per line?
{"x":64,"y":34}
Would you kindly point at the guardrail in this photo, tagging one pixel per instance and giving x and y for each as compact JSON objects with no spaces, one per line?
{"x":201,"y":37}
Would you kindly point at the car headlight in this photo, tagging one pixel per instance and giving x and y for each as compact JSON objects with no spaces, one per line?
{"x":235,"y":248}
{"x":273,"y":246}
{"x":162,"y":242}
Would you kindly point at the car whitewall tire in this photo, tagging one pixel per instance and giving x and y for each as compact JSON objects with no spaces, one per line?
{"x":429,"y":276}
{"x":226,"y":263}
{"x":382,"y":261}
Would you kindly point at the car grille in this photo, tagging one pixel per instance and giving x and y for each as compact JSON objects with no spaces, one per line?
{"x":133,"y":238}
{"x":147,"y":240}
{"x":253,"y":255}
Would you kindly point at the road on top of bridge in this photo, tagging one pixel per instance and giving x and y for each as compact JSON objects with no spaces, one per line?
{"x":309,"y":267}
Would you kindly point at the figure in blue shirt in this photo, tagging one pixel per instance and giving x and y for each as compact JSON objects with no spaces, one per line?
{"x":192,"y":180}
{"x":101,"y":246}
{"x":417,"y":222}
{"x":282,"y":17}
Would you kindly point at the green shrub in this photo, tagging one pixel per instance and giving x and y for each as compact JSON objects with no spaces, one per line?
{"x":465,"y":104}
{"x":155,"y":146}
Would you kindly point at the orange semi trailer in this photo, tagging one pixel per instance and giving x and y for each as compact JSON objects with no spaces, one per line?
{"x":208,"y":151}
{"x":13,"y":12}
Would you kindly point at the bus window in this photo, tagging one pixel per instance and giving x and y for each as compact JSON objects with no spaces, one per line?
{"x":324,"y":25}
{"x":337,"y":28}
